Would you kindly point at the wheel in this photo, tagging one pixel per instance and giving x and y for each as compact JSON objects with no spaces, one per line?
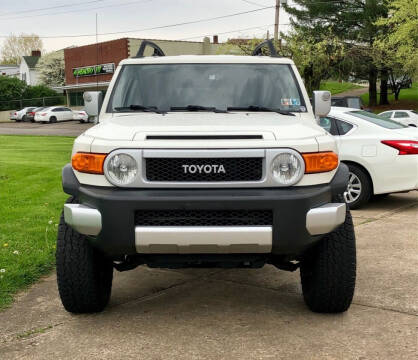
{"x":84,"y":275}
{"x":359,"y":188}
{"x":52,"y":119}
{"x":82,"y":121}
{"x":32,"y":120}
{"x":24,"y":117}
{"x":328,"y":270}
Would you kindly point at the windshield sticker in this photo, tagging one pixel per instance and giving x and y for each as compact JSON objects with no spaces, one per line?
{"x":212,"y":77}
{"x":295,"y":102}
{"x":286,"y":102}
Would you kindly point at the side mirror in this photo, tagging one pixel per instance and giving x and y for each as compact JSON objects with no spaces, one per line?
{"x":321,"y":103}
{"x":93,"y":102}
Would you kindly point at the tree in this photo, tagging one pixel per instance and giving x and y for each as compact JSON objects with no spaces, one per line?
{"x":52,"y":68}
{"x":350,"y":21}
{"x":317,"y":58}
{"x":11,"y":88}
{"x":16,"y":46}
{"x":400,"y":42}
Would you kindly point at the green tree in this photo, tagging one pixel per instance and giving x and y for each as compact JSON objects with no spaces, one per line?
{"x":350,"y":21}
{"x":16,"y":46}
{"x":400,"y":42}
{"x":11,"y":88}
{"x":317,"y":58}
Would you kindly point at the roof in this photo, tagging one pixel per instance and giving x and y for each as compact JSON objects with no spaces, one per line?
{"x":198,"y":59}
{"x":31,"y":60}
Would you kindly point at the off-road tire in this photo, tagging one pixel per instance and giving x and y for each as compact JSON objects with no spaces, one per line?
{"x":328,"y":270}
{"x":366,"y":187}
{"x":84,"y":275}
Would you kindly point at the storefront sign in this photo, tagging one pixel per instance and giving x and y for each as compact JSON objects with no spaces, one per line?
{"x":94,"y":70}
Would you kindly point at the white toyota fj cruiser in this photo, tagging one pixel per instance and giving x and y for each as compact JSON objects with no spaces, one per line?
{"x":206,"y":161}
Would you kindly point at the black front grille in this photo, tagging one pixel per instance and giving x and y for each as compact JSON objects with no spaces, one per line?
{"x":203,"y":217}
{"x":204,"y":169}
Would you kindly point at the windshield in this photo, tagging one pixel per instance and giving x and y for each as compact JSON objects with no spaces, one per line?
{"x":220,"y":86}
{"x":377,"y":120}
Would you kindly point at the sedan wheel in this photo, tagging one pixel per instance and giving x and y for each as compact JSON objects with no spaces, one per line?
{"x":359,"y":187}
{"x":353,"y":188}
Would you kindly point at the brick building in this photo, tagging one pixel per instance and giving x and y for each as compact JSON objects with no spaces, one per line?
{"x":91,"y":67}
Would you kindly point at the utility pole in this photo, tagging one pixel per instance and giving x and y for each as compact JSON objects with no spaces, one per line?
{"x":276,"y":21}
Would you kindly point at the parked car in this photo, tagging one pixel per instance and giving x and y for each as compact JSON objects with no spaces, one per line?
{"x":20,"y":115}
{"x":405,"y":117}
{"x":190,"y":167}
{"x":381,"y":154}
{"x":81,"y":116}
{"x":30,"y":115}
{"x":404,"y":82}
{"x":54,"y":114}
{"x":354,"y":102}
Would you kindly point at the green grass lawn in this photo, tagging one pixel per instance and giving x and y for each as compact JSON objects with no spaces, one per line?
{"x":31,"y":200}
{"x":336,"y":87}
{"x":408,"y":100}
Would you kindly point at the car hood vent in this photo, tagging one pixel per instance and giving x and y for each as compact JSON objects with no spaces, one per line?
{"x":203,"y":137}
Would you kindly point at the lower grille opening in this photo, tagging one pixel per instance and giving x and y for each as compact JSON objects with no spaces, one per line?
{"x":203,"y":217}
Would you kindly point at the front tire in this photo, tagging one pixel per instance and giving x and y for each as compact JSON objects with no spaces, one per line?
{"x":84,"y":275}
{"x":359,"y":188}
{"x":328,"y":270}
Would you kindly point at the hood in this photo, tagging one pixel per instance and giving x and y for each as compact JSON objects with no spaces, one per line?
{"x":271,"y":126}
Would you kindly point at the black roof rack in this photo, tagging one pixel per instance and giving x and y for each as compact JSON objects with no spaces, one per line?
{"x":258,"y":51}
{"x":144,"y":44}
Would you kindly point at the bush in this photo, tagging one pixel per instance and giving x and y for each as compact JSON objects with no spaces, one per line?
{"x":38,"y":91}
{"x":11,"y":88}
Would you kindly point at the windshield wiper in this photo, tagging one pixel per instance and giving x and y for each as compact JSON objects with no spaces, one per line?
{"x":140,"y":108}
{"x":261,"y":108}
{"x":197,"y":108}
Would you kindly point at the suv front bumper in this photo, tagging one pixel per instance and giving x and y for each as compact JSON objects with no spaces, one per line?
{"x":300,"y":216}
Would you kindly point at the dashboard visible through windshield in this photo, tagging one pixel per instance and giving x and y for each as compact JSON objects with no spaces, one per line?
{"x":206,"y":87}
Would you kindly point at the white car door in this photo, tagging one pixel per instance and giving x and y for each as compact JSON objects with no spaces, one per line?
{"x":68,"y":114}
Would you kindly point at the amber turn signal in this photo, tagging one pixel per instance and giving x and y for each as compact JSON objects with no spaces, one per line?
{"x":88,"y":162}
{"x":320,"y":162}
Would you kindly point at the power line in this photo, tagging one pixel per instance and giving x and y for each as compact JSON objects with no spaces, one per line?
{"x":83,"y":9}
{"x":228,"y":32}
{"x":52,"y":7}
{"x":253,"y":3}
{"x":153,"y":28}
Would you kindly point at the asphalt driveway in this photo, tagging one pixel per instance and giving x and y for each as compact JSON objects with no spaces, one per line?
{"x":237,"y":314}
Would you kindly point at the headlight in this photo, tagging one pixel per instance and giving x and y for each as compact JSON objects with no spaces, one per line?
{"x":121,"y":169}
{"x":288,"y":168}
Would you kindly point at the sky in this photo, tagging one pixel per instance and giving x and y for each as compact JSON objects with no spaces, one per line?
{"x":60,"y":18}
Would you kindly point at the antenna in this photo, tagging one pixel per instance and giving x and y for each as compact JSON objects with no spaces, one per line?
{"x":97,"y":56}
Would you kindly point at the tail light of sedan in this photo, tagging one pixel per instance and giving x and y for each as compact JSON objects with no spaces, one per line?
{"x":405,"y":147}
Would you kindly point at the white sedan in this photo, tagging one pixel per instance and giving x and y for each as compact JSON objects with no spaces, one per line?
{"x":381,"y":154}
{"x":80,"y":115}
{"x":54,"y":114}
{"x":406,"y":117}
{"x":20,"y":115}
